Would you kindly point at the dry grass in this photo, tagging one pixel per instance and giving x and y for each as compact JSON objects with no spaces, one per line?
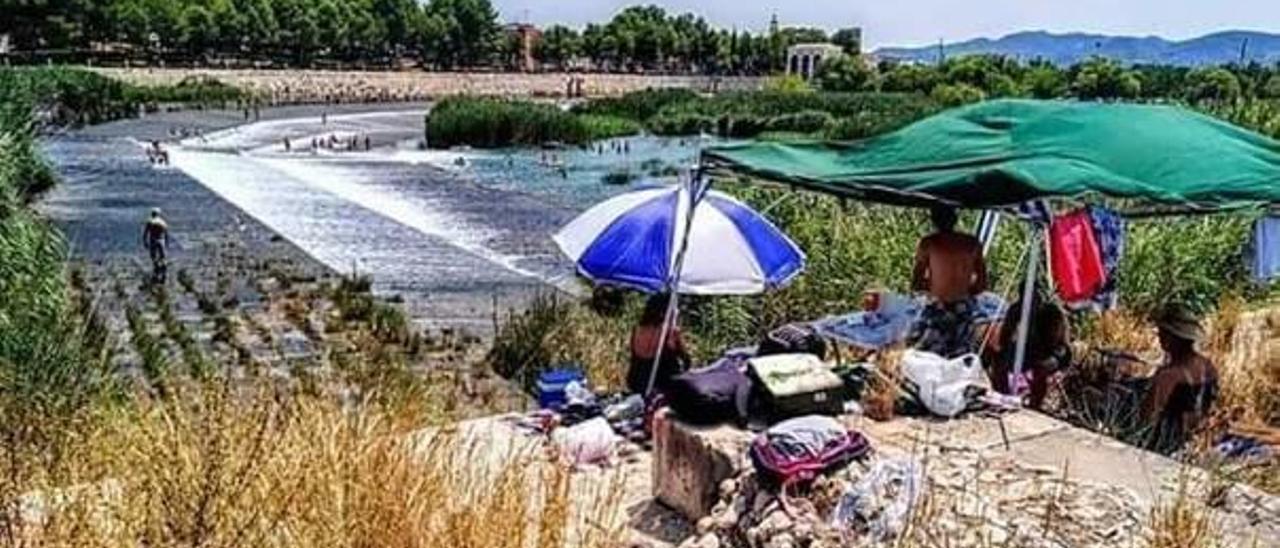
{"x":254,"y":466}
{"x":1183,"y":522}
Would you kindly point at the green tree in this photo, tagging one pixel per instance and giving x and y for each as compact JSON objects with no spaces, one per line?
{"x":995,"y":75}
{"x":1213,"y":84}
{"x":1100,"y":78}
{"x":953,"y":95}
{"x":559,"y":45}
{"x":909,"y":78}
{"x":199,"y":30}
{"x":1271,"y":89}
{"x":844,"y":73}
{"x":1045,"y":81}
{"x":850,"y":40}
{"x":470,"y":31}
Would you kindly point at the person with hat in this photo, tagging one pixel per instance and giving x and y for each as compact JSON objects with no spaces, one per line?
{"x":1183,"y":390}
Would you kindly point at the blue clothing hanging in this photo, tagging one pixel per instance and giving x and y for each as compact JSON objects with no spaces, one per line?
{"x":1264,"y":249}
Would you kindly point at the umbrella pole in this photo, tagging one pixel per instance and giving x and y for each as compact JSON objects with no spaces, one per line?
{"x":1024,"y":320}
{"x":668,"y":320}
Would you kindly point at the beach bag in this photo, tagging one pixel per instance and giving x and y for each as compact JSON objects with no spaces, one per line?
{"x":711,"y":395}
{"x":792,"y":339}
{"x":798,"y":450}
{"x":945,"y":387}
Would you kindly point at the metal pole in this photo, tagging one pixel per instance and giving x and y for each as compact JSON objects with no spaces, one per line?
{"x":695,"y":196}
{"x":1028,"y":286}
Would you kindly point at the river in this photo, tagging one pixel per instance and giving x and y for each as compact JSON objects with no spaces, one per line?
{"x":449,"y":231}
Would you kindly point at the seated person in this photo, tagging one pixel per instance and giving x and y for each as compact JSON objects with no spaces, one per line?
{"x":644,"y":348}
{"x":1048,"y":347}
{"x":949,"y":267}
{"x":1183,"y":390}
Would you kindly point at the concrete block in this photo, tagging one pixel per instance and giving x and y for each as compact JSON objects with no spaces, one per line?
{"x":689,"y":462}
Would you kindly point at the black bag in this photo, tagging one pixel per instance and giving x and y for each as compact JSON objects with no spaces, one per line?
{"x":710,"y":395}
{"x":792,"y":339}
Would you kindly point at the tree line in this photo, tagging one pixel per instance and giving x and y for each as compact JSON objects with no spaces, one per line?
{"x":437,"y":33}
{"x":976,"y":77}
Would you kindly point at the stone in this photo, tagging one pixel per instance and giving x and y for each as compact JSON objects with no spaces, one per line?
{"x":704,"y":525}
{"x":689,"y":462}
{"x":728,"y":488}
{"x":781,"y":540}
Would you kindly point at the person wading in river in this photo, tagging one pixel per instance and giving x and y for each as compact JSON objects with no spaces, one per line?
{"x":155,"y":235}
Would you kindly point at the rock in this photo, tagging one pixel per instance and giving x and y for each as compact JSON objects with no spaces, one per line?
{"x":701,"y":541}
{"x":690,"y":462}
{"x":728,"y":488}
{"x":704,"y":525}
{"x":782,"y":540}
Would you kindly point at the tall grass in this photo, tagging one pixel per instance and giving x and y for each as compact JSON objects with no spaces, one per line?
{"x":490,"y":123}
{"x":251,"y":465}
{"x":749,"y":114}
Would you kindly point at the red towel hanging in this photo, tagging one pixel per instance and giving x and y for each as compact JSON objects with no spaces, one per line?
{"x":1074,"y":257}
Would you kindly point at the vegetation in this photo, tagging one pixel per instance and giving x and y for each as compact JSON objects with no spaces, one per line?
{"x":490,"y":123}
{"x":438,"y":33}
{"x":70,"y":96}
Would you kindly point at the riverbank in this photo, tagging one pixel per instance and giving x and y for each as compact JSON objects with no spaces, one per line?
{"x":277,"y":87}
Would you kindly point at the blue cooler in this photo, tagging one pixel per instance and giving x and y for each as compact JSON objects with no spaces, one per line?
{"x":551,"y":385}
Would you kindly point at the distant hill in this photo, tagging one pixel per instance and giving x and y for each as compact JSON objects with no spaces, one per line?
{"x":1066,"y":49}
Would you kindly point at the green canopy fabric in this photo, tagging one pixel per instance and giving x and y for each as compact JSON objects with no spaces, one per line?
{"x":1005,"y":152}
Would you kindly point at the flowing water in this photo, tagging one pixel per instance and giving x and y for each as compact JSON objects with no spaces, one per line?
{"x":445,"y":229}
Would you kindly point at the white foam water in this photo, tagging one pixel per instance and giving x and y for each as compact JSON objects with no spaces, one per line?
{"x":297,"y":194}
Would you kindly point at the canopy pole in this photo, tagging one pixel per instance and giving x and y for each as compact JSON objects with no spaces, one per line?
{"x":673,"y":287}
{"x":1024,"y":320}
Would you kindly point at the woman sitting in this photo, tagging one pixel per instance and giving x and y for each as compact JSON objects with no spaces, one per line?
{"x":1182,"y":391}
{"x":1048,"y":348}
{"x":644,"y":348}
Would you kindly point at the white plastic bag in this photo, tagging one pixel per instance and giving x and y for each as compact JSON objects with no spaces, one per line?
{"x":880,"y":503}
{"x":586,"y":442}
{"x":940,"y":383}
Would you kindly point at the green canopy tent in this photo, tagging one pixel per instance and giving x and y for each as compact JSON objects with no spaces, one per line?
{"x":1008,"y":152}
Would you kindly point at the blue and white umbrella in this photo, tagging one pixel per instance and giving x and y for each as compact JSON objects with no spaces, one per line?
{"x":635,"y":240}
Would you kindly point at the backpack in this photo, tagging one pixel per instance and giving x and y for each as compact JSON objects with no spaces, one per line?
{"x":798,"y":450}
{"x":711,"y":395}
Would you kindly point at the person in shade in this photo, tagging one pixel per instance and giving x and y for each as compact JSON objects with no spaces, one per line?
{"x":644,"y":348}
{"x":1183,"y":390}
{"x":951,"y":271}
{"x":1048,"y":347}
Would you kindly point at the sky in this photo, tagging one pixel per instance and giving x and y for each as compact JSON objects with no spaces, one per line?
{"x":924,"y":22}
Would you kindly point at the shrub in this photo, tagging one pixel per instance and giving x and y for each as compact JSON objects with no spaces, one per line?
{"x":807,"y":121}
{"x":638,"y":105}
{"x":492,"y":123}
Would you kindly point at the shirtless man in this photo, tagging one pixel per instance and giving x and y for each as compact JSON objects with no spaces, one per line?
{"x":950,"y":269}
{"x":155,"y":236}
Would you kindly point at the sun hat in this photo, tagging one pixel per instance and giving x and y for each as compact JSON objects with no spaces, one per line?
{"x":1181,"y":322}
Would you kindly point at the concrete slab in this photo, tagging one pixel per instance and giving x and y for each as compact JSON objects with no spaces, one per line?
{"x":970,"y":432}
{"x":689,"y":462}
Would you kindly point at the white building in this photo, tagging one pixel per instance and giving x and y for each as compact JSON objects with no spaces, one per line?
{"x":804,"y":59}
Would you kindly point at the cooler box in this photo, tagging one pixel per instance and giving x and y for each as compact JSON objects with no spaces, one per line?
{"x":794,"y":385}
{"x":551,"y":385}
